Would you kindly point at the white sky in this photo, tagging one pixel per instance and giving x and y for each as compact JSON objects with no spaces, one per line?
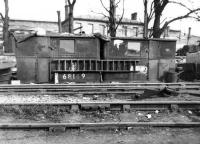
{"x":46,"y":10}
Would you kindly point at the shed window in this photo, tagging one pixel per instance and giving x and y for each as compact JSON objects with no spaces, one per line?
{"x":133,"y":49}
{"x":67,"y":46}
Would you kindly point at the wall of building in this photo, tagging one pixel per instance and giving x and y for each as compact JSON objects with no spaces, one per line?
{"x":131,"y":28}
{"x":47,"y":25}
{"x":181,"y":38}
{"x":128,"y":28}
{"x":89,"y":27}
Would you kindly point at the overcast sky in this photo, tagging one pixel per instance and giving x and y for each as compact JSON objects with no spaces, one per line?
{"x":46,"y":10}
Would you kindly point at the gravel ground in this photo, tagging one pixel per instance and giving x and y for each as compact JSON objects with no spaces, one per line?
{"x":13,"y":98}
{"x":132,"y":136}
{"x":23,"y":114}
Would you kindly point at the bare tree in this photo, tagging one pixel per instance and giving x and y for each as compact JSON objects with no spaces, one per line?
{"x":156,"y":10}
{"x":5,"y":25}
{"x":70,"y":4}
{"x":113,"y":22}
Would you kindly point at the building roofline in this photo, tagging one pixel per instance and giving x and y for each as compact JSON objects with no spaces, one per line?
{"x":106,"y":21}
{"x":78,"y":18}
{"x":15,"y":20}
{"x":131,"y":22}
{"x":143,"y":39}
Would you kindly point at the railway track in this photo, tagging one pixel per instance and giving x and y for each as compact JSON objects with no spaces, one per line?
{"x":97,"y":88}
{"x":112,"y":105}
{"x":118,"y":105}
{"x":122,"y":105}
{"x":107,"y":125}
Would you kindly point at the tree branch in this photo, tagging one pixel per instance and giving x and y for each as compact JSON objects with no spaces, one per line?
{"x":181,"y":4}
{"x":178,"y":18}
{"x":164,"y":3}
{"x":101,"y":14}
{"x":104,"y":6}
{"x":73,"y":2}
{"x":69,"y":2}
{"x":2,"y":17}
{"x":151,"y":13}
{"x":121,"y":17}
{"x":117,"y":3}
{"x":163,"y":20}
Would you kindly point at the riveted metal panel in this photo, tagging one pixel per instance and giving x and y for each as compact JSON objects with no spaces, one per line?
{"x":26,"y":69}
{"x":34,"y":46}
{"x":153,"y":70}
{"x":159,"y":49}
{"x":42,"y":70}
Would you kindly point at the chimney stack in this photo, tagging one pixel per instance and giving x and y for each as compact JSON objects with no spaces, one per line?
{"x":59,"y":22}
{"x":189,"y":35}
{"x":134,"y":16}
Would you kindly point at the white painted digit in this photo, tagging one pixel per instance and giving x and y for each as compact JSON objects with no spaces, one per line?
{"x":73,"y":76}
{"x":83,"y":75}
{"x":69,"y":76}
{"x":64,"y":76}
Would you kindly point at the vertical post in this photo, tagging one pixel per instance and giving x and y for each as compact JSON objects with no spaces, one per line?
{"x":59,"y":22}
{"x":145,"y":34}
{"x":5,"y":27}
{"x":189,"y":34}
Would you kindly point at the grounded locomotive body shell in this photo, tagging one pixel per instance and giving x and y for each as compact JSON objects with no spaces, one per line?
{"x":40,"y":57}
{"x":71,"y":58}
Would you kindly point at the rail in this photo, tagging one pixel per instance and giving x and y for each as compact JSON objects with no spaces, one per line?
{"x":98,"y":125}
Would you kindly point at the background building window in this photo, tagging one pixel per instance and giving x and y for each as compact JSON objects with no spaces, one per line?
{"x":135,"y":31}
{"x":125,"y":31}
{"x":102,"y":29}
{"x":90,"y":28}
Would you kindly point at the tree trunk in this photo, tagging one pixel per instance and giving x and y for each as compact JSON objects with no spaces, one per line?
{"x":5,"y":27}
{"x":145,"y":35}
{"x":71,"y":19}
{"x":156,"y":26}
{"x":112,"y":18}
